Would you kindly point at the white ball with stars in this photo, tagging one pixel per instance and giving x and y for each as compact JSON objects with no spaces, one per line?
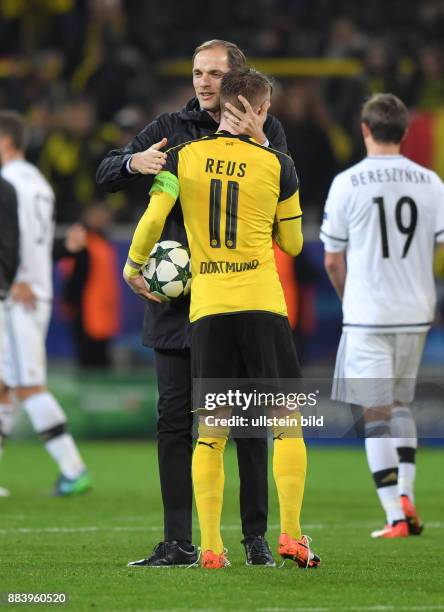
{"x":167,"y":273}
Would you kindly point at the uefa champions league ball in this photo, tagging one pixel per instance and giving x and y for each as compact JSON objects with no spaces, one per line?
{"x":167,"y":273}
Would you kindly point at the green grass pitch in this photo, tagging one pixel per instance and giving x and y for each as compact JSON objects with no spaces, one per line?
{"x":81,"y":546}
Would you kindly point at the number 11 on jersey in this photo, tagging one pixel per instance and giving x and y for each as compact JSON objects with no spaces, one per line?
{"x":230,"y":213}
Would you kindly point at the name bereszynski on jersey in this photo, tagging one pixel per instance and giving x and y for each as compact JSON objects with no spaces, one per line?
{"x":389,"y":175}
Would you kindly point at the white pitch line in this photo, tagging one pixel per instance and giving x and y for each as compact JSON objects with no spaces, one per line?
{"x":151,"y":528}
{"x":94,"y":528}
{"x":74,"y":529}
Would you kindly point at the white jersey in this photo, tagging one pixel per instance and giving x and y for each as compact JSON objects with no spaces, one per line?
{"x":35,"y":199}
{"x":386,"y":212}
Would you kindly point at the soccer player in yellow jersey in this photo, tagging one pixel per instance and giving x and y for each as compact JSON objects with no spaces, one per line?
{"x":235,"y":195}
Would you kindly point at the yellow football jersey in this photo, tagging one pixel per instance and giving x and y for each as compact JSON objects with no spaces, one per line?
{"x":232,"y":191}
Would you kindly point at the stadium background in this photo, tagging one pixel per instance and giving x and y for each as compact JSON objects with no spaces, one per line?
{"x":88,"y":75}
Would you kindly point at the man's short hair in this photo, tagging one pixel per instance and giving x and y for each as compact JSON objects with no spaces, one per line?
{"x":236,"y":58}
{"x":386,"y":117}
{"x":13,"y":125}
{"x":250,"y":83}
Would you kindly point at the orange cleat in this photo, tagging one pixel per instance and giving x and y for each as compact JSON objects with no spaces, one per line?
{"x":400,"y":530}
{"x":298,"y":551}
{"x":415,"y":524}
{"x":211,"y":560}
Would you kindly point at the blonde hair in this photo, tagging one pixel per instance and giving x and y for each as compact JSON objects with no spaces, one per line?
{"x":246,"y":82}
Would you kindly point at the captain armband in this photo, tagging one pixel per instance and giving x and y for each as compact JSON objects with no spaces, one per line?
{"x":166,"y":182}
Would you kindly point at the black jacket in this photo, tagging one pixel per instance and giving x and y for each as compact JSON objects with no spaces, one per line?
{"x":166,"y":326}
{"x":9,"y":236}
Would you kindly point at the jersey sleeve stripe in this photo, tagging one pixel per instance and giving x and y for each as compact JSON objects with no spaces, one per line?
{"x":133,"y":264}
{"x":285,"y":199}
{"x":290,"y":218}
{"x":334,"y":237}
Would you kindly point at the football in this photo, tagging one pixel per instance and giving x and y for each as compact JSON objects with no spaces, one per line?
{"x":167,"y":273}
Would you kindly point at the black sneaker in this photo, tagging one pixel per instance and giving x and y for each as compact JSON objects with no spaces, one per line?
{"x":258,"y":552}
{"x":168,"y":554}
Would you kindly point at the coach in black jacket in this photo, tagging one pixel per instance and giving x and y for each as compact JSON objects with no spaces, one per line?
{"x":9,"y":242}
{"x":166,"y":326}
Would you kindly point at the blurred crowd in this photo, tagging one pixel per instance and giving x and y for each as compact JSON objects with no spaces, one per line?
{"x":84,"y":73}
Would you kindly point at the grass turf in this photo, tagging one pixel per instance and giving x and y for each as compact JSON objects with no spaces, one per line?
{"x":81,"y":545}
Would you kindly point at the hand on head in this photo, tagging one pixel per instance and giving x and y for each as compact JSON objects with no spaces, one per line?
{"x":249,"y":121}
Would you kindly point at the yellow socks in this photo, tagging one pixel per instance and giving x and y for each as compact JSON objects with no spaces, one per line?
{"x":208,"y":482}
{"x":289,"y":470}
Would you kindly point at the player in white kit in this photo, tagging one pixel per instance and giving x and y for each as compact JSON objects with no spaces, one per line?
{"x":28,"y":308}
{"x":9,"y":257}
{"x":381,"y":221}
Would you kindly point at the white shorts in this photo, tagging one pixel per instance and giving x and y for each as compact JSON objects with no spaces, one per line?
{"x":377,"y":369}
{"x":24,"y":350}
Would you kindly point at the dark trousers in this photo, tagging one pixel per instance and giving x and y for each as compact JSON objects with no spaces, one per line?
{"x":175,"y":449}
